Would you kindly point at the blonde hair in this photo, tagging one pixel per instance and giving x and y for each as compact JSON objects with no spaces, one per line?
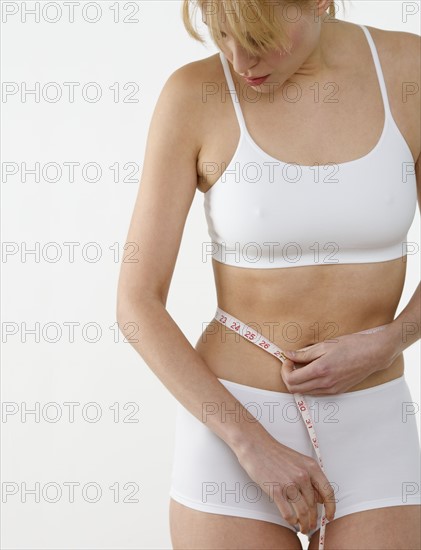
{"x":257,"y":32}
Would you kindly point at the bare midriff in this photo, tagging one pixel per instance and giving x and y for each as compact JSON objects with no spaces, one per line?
{"x":296,"y":307}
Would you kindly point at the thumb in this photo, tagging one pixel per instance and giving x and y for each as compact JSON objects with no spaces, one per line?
{"x":286,"y":369}
{"x":302,"y":355}
{"x":296,"y":355}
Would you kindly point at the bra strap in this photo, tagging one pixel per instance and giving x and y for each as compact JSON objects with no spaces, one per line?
{"x":233,"y":92}
{"x":379,"y":70}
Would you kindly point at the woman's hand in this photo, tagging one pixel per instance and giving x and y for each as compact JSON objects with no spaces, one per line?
{"x":335,"y":365}
{"x":295,"y":482}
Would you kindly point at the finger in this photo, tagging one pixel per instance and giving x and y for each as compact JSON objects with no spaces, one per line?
{"x":286,"y":369}
{"x":280,"y":496}
{"x":309,"y":389}
{"x":304,"y":355}
{"x":303,"y":514}
{"x":327,"y":493}
{"x":309,"y":495}
{"x":287,"y":511}
{"x":284,"y":500}
{"x":317,"y":496}
{"x":300,"y":504}
{"x":301,"y":373}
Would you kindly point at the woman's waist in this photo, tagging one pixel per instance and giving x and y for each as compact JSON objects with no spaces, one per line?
{"x":231,"y":356}
{"x":289,"y":331}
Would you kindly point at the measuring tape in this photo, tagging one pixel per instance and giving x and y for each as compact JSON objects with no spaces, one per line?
{"x":257,"y":338}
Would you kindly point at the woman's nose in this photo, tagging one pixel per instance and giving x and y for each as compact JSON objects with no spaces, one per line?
{"x":242,"y":61}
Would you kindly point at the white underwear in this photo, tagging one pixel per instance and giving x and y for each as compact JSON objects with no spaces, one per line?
{"x":368,"y":439}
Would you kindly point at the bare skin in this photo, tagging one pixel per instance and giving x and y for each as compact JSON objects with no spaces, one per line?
{"x":339,"y":294}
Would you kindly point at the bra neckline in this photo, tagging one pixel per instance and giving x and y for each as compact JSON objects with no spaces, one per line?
{"x":248,"y":136}
{"x":244,"y":135}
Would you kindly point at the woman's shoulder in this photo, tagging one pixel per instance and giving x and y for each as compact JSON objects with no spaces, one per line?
{"x":198,"y":72}
{"x":399,"y":54}
{"x":196,"y":85}
{"x":400,"y":58}
{"x":402,"y":47}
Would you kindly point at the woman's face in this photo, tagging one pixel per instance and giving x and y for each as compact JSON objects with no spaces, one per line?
{"x":303,"y":29}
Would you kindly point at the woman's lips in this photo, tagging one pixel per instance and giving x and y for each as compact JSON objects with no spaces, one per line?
{"x":256,"y":81}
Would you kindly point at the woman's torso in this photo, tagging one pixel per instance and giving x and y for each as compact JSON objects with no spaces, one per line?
{"x":299,"y":306}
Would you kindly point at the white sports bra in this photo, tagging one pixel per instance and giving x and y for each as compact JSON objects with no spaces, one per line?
{"x":265,"y":213}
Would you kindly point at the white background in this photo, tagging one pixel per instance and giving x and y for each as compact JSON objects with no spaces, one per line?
{"x":38,"y":291}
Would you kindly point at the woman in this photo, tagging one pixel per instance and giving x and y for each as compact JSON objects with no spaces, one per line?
{"x":307,"y":252}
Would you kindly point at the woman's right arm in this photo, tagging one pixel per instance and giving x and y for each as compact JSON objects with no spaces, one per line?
{"x":166,"y":191}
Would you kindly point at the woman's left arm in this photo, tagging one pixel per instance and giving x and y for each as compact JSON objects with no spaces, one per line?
{"x":405,"y":329}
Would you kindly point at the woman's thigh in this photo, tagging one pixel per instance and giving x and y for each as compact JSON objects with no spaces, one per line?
{"x":392,"y":527}
{"x":192,"y":529}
